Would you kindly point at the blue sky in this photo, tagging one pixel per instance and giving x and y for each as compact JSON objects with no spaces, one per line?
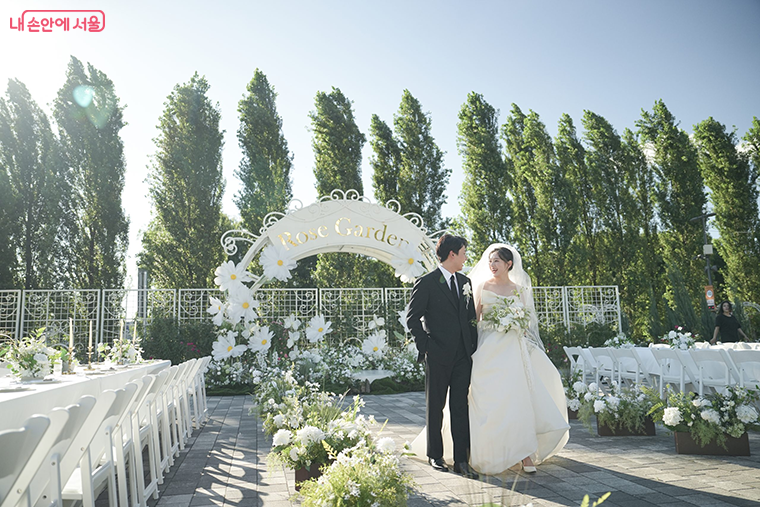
{"x":614,"y":58}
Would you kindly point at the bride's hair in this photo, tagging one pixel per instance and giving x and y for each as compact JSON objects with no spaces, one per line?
{"x":505,"y":254}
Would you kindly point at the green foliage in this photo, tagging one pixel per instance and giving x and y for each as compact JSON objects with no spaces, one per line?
{"x":90,"y":119}
{"x":484,"y":202}
{"x":35,"y":195}
{"x":625,"y":408}
{"x":181,"y":245}
{"x":732,"y":180}
{"x":384,"y":161}
{"x":265,"y":169}
{"x":165,"y":339}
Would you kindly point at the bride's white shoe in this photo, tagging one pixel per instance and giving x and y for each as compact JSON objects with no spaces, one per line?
{"x":530,"y":469}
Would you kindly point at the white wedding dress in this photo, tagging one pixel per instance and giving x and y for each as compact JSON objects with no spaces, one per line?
{"x":517,"y":403}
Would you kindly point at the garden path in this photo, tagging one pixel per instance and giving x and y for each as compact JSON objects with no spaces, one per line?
{"x":224,"y":465}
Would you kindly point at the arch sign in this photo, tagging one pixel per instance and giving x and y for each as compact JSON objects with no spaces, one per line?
{"x":340,"y":222}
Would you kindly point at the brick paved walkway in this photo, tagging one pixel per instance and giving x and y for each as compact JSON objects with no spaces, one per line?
{"x":224,"y":464}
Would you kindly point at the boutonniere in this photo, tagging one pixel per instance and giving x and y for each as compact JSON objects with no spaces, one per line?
{"x":467,"y":291}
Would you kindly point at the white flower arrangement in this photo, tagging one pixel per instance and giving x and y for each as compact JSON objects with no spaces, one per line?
{"x":122,"y":351}
{"x":624,"y":407}
{"x":374,"y":345}
{"x":226,"y":346}
{"x":711,"y":418}
{"x":620,"y":341}
{"x":30,"y":357}
{"x":230,"y":277}
{"x":261,"y":339}
{"x":407,"y":262}
{"x":504,"y":316}
{"x":679,"y":338}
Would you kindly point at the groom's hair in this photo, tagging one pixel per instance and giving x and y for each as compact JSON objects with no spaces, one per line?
{"x":448,"y":243}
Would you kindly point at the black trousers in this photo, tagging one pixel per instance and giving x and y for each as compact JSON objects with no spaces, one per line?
{"x":454,"y":380}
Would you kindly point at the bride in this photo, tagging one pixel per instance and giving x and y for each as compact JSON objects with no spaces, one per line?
{"x":517,"y":404}
{"x":517,"y":407}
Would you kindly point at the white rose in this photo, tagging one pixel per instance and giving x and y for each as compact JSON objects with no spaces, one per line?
{"x":588,"y":396}
{"x":574,"y":405}
{"x":279,"y":419}
{"x":711,"y":415}
{"x":294,"y":452}
{"x":746,"y":414}
{"x":386,"y":445}
{"x":593,"y":387}
{"x":579,"y":387}
{"x":599,"y":405}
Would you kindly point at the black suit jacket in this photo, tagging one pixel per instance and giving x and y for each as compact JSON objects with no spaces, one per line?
{"x":437,"y":323}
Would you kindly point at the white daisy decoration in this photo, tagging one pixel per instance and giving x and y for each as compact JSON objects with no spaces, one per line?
{"x":243,"y":306}
{"x":408,"y":262}
{"x":291,"y":322}
{"x":402,"y":315}
{"x":317,"y":329}
{"x":293,"y":337}
{"x":376,"y":322}
{"x":261,"y":340}
{"x":277,"y":263}
{"x":217,"y":310}
{"x":374,"y":345}
{"x":226,"y":346}
{"x":230,"y":277}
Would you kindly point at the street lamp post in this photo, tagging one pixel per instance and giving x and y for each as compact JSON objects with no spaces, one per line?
{"x":707,"y":249}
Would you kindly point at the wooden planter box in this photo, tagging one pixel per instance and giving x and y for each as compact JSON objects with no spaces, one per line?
{"x":685,"y":444}
{"x":304,"y":474}
{"x":572,"y":414}
{"x":606,"y":431}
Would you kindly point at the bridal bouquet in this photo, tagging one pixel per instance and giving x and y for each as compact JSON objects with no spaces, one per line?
{"x":506,"y":315}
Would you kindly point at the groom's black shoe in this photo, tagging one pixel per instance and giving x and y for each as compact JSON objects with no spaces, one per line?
{"x":465,"y":470}
{"x":438,"y":464}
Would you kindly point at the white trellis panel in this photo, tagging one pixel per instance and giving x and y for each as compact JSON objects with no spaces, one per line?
{"x":276,"y":304}
{"x":600,"y":304}
{"x":550,"y":305}
{"x":396,"y":299}
{"x":52,"y":310}
{"x":133,"y":306}
{"x":193,"y":303}
{"x":350,"y":310}
{"x":10,"y":314}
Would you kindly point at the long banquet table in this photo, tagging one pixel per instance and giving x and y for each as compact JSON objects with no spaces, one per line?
{"x":20,"y":400}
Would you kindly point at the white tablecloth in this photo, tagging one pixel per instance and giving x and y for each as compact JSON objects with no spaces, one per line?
{"x":42,"y":397}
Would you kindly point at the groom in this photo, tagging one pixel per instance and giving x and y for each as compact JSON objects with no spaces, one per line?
{"x":441,"y":316}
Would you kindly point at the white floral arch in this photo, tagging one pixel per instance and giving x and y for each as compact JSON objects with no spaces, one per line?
{"x":343,"y":221}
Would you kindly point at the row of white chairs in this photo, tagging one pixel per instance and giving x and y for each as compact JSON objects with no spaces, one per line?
{"x":711,"y":369}
{"x":72,"y":453}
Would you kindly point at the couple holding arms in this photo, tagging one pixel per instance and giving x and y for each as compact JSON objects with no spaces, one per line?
{"x":505,"y":397}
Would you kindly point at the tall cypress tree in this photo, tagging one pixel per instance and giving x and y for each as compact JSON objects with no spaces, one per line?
{"x":733,"y":192}
{"x":337,"y":144}
{"x":385,"y":161}
{"x":571,"y":157}
{"x":484,"y":201}
{"x":89,"y":117}
{"x":181,"y":245}
{"x":265,"y":170}
{"x":33,"y":186}
{"x":679,"y":193}
{"x":337,"y":147}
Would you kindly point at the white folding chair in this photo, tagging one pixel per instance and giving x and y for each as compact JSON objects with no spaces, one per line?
{"x":150,"y":418}
{"x":628,"y":366}
{"x":672,"y":369}
{"x":18,"y":448}
{"x":97,"y":469}
{"x":747,"y":363}
{"x":605,"y":363}
{"x":649,"y":367}
{"x":45,"y":484}
{"x":715,"y":369}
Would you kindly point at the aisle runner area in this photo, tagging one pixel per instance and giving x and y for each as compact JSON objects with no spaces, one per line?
{"x":224,"y":464}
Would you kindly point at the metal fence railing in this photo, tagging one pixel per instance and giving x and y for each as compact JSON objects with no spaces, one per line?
{"x":119,"y":311}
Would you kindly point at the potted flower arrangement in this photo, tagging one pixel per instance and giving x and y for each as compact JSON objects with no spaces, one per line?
{"x":679,"y":338}
{"x":365,"y":474}
{"x":575,"y":389}
{"x":30,"y":358}
{"x":714,"y":424}
{"x":308,"y":430}
{"x":624,"y":412}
